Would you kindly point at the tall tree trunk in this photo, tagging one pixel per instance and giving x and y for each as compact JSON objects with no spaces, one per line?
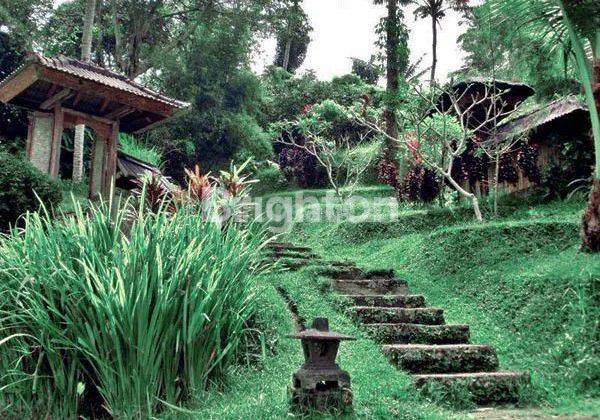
{"x":286,"y":54}
{"x":496,"y":182}
{"x":433,"y":48}
{"x":467,"y":194}
{"x":86,"y":53}
{"x":590,"y":227}
{"x":392,"y":43}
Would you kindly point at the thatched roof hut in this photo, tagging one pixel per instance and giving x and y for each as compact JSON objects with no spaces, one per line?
{"x":560,"y":135}
{"x":508,"y":96}
{"x":563,"y":116}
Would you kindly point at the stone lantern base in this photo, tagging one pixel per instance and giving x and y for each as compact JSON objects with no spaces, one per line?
{"x":320,"y":390}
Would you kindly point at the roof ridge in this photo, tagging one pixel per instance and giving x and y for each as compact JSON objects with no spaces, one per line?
{"x":566,"y":98}
{"x":61,"y":61}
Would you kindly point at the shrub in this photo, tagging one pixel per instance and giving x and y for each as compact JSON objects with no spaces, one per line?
{"x":300,"y":167}
{"x":19,"y":184}
{"x":365,"y":155}
{"x":387,"y":173}
{"x":527,"y":159}
{"x":97,"y":322}
{"x":270,"y":179}
{"x":421,"y":184}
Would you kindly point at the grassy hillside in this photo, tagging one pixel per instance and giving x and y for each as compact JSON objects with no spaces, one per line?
{"x":519,"y":280}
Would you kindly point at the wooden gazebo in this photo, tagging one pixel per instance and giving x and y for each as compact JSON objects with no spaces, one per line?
{"x":62,"y":92}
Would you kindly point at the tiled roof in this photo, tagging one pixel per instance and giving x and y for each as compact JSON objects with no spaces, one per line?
{"x":100,"y":75}
{"x":541,"y":116}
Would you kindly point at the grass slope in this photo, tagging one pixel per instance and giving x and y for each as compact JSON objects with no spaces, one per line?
{"x":519,"y":281}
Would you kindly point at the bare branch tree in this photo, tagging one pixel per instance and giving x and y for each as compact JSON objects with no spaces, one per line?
{"x":471,"y":112}
{"x":334,"y":156}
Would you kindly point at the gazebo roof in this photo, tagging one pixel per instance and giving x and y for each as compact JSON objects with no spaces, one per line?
{"x":42,"y":82}
{"x":510,"y":95}
{"x":554,"y":111}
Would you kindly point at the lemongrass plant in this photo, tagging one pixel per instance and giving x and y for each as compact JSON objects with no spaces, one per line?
{"x":97,"y":322}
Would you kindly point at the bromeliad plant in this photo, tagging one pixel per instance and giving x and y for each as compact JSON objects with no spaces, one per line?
{"x":97,"y":322}
{"x":234,"y":188}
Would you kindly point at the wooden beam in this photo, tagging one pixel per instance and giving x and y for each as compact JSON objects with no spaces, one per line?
{"x":18,"y":83}
{"x":77,"y":98}
{"x":88,"y":116}
{"x":56,"y":99}
{"x":119,"y":113}
{"x":98,"y":89}
{"x":73,"y":118}
{"x":149,"y":124}
{"x":104,"y":105}
{"x":52,"y":90}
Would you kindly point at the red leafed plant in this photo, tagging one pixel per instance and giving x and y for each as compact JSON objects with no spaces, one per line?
{"x":200,"y":186}
{"x":153,"y":189}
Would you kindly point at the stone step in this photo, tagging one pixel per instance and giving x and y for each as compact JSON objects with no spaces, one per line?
{"x":340,"y":265}
{"x":371,"y":287}
{"x":294,"y":254}
{"x":284,"y":246}
{"x":298,"y":263}
{"x":291,"y":263}
{"x":418,"y":333}
{"x":446,"y":358}
{"x":484,"y":387}
{"x":378,"y":315}
{"x":355,"y":273}
{"x":388,"y":301}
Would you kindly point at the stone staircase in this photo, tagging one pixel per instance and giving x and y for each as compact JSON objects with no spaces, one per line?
{"x":413,"y":336}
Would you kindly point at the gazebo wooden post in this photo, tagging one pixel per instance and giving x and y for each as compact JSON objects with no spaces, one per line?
{"x":56,"y":141}
{"x":110,"y":163}
{"x":96,"y":164}
{"x":104,"y":161}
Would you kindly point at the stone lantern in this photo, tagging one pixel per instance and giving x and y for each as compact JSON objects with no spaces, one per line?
{"x":320,"y":384}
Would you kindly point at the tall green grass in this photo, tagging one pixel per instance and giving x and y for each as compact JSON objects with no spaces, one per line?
{"x":100,"y":315}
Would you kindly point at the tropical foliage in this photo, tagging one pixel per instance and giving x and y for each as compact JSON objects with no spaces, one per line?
{"x":22,"y":189}
{"x":105,"y":315}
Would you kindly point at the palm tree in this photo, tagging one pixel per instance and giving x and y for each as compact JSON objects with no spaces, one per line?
{"x":392,"y":42}
{"x":396,"y":54}
{"x":86,"y":53}
{"x":576,"y":26}
{"x":435,"y":10}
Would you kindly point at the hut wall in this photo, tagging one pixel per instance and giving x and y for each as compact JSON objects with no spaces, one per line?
{"x":546,"y":156}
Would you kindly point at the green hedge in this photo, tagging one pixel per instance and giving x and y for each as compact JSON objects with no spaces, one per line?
{"x":19,"y":184}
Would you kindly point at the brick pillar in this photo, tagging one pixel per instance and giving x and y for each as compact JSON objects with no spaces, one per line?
{"x":44,"y":140}
{"x":39,"y":141}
